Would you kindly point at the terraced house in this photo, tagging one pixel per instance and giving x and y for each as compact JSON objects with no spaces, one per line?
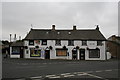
{"x":78,"y":44}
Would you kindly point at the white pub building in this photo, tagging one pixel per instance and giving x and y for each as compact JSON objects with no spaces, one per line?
{"x":84,"y":44}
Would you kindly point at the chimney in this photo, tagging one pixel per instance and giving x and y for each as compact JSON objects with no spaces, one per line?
{"x":97,"y":27}
{"x":15,"y":37}
{"x":53,"y":27}
{"x":19,"y":37}
{"x":74,"y":27}
{"x":10,"y":37}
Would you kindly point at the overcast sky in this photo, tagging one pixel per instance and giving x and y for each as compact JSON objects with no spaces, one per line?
{"x":18,"y":17}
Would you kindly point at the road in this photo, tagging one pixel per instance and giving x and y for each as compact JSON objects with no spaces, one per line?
{"x":34,"y":69}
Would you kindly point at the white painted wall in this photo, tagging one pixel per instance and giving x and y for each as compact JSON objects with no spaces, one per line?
{"x":90,"y":45}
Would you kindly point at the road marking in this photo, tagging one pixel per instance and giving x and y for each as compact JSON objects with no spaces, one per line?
{"x":98,"y":71}
{"x":65,"y":73}
{"x":80,"y":74}
{"x":54,"y":77}
{"x":68,"y":75}
{"x":108,"y":70}
{"x":36,"y":77}
{"x":95,"y":76}
{"x":77,"y":72}
{"x":89,"y":71}
{"x":50,"y":75}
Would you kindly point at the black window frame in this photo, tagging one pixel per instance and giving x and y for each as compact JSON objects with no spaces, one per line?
{"x":84,"y":42}
{"x":58,"y":42}
{"x":94,"y":53}
{"x":44,"y":40}
{"x":99,"y":43}
{"x":31,"y":41}
{"x":70,"y":42}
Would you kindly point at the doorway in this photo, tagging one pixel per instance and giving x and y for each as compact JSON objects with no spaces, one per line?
{"x":82,"y":54}
{"x":74,"y":54}
{"x":21,"y":52}
{"x":47,"y":54}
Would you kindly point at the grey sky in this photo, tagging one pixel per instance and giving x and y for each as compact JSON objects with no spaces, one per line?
{"x":18,"y":17}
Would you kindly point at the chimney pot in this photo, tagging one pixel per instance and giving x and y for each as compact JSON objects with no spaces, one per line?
{"x":74,"y":27}
{"x":97,"y":27}
{"x":53,"y":27}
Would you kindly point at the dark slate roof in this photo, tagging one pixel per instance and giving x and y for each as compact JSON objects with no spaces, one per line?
{"x":49,"y":34}
{"x":18,"y":43}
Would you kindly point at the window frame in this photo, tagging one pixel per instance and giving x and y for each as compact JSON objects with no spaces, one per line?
{"x":98,"y":54}
{"x":16,"y":50}
{"x":58,"y":43}
{"x":84,"y":43}
{"x":44,"y":40}
{"x":70,"y":42}
{"x":31,"y":41}
{"x":61,"y":50}
{"x":99,"y":43}
{"x":34,"y":52}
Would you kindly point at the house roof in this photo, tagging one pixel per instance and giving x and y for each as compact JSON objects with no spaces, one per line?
{"x":86,"y":34}
{"x":17,"y":43}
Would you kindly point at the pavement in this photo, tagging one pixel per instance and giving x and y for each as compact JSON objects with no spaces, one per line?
{"x":36,"y":69}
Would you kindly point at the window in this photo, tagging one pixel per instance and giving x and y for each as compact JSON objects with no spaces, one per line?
{"x":35,"y":52}
{"x":31,"y":42}
{"x":61,"y":52}
{"x":94,"y":53}
{"x":84,"y":43}
{"x":58,"y":42}
{"x":44,"y":42}
{"x":99,"y":43}
{"x":70,"y":42}
{"x":15,"y":50}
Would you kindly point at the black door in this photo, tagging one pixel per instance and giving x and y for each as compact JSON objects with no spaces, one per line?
{"x":21,"y":52}
{"x":74,"y":54}
{"x":82,"y":54}
{"x":47,"y":54}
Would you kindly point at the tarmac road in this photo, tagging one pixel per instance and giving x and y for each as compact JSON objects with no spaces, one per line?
{"x":59,"y":69}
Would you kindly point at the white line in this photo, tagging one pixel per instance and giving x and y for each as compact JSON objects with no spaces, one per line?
{"x":68,"y":75}
{"x":36,"y":77}
{"x":80,"y":74}
{"x":98,"y":71}
{"x":50,"y":75}
{"x":108,"y":70}
{"x":54,"y":77}
{"x":95,"y":76}
{"x":89,"y":71}
{"x":65,"y":73}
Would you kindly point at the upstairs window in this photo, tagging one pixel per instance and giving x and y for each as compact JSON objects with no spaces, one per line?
{"x":99,"y":43}
{"x":70,"y":42}
{"x":31,"y":42}
{"x":58,"y":42}
{"x":84,"y":43}
{"x":44,"y":42}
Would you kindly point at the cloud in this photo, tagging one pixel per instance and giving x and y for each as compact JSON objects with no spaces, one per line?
{"x":17,"y":17}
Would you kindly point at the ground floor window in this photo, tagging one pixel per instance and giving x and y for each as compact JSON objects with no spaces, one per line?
{"x":15,"y":50}
{"x":35,"y":52}
{"x":61,"y":52}
{"x":94,"y":53}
